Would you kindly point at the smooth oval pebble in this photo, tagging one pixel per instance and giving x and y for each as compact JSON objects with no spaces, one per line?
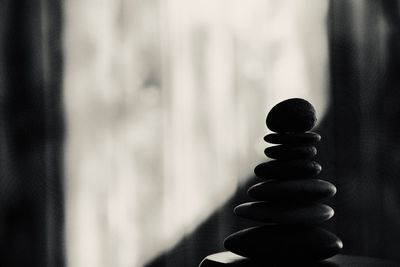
{"x":291,"y":115}
{"x":285,"y":152}
{"x":293,"y":138}
{"x":305,"y":190}
{"x":282,"y":243}
{"x":292,"y":169}
{"x":298,"y":213}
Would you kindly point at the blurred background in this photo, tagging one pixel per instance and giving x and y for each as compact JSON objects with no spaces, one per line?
{"x":130,"y":129}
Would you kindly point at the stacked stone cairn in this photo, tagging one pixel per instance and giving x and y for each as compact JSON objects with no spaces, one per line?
{"x":287,"y":201}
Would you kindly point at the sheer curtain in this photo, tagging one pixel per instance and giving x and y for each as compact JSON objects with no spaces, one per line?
{"x":362,"y":129}
{"x":165,"y":105}
{"x":31,"y":134}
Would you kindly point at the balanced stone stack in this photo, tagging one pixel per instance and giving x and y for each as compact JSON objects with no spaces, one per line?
{"x":287,"y":201}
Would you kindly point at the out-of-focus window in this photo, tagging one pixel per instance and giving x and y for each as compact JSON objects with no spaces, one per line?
{"x":165,"y":103}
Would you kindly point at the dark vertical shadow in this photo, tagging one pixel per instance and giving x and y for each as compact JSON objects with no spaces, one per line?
{"x":363,"y":148}
{"x":31,"y":131}
{"x":341,"y":140}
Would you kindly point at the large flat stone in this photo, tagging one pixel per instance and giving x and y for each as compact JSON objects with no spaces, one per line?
{"x":278,"y":243}
{"x":292,"y":190}
{"x":293,"y":138}
{"x":294,"y":213}
{"x":293,"y":169}
{"x":287,"y":152}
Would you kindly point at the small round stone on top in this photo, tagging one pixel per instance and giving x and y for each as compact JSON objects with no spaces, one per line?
{"x":292,"y":115}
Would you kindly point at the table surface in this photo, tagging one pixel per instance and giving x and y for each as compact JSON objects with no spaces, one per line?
{"x":229,"y":259}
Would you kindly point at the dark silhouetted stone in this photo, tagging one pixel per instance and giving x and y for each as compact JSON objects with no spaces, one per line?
{"x":280,"y":243}
{"x":305,"y":190}
{"x":298,"y":213}
{"x":308,"y":138}
{"x":286,"y":203}
{"x":293,"y":169}
{"x":285,"y":152}
{"x":291,"y":115}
